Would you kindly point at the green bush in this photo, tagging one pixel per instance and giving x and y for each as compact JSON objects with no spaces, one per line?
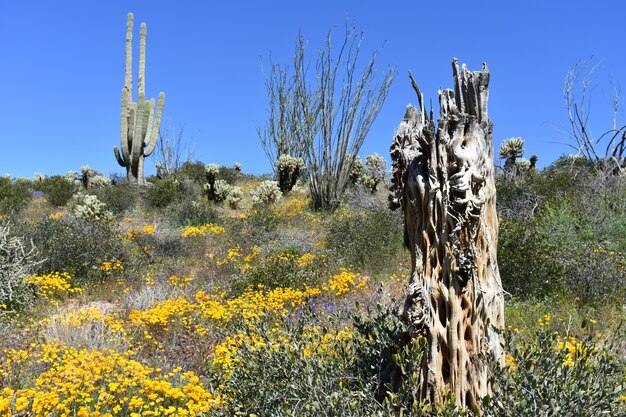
{"x":547,"y":374}
{"x":285,"y":267}
{"x":162,"y":193}
{"x":259,"y":228}
{"x":309,"y":371}
{"x":119,"y":198}
{"x":366,"y":238}
{"x":76,"y":246}
{"x":58,"y":189}
{"x":188,"y":212}
{"x":14,"y":196}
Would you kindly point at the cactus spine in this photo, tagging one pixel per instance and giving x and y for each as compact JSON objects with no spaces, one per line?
{"x":139,"y":127}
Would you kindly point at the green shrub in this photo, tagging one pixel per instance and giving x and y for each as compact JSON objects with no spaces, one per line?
{"x":190,"y":213}
{"x":528,"y":267}
{"x":309,"y":371}
{"x":119,"y":198}
{"x":548,"y":374}
{"x":230,"y":175}
{"x":285,"y":267}
{"x":14,"y":196}
{"x":76,"y":246}
{"x":162,"y":193}
{"x":259,"y":228}
{"x":193,"y":171}
{"x":58,"y":189}
{"x":365,"y":238}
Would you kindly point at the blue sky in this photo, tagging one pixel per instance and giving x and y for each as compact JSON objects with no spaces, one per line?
{"x":63,"y":69}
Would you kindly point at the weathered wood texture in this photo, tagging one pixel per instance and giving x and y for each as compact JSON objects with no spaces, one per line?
{"x":443,"y":179}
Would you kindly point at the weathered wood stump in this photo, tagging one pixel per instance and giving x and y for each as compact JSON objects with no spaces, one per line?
{"x":443,"y":179}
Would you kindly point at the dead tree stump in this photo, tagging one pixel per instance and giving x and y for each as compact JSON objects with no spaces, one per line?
{"x":443,"y":179}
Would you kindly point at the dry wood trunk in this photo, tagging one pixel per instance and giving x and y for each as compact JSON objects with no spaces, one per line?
{"x":443,"y":178}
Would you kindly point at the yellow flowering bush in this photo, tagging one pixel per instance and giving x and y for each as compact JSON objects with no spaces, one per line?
{"x":345,"y":282}
{"x":65,"y":381}
{"x":112,"y":265}
{"x":54,"y":286}
{"x":56,"y":215}
{"x":193,"y":231}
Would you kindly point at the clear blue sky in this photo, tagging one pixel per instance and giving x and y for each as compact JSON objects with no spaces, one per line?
{"x":62,"y":69}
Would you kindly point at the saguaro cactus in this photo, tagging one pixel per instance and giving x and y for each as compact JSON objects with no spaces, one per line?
{"x":443,"y":179}
{"x":140,"y":129}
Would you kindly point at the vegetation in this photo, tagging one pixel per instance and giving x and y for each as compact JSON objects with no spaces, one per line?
{"x":158,"y":309}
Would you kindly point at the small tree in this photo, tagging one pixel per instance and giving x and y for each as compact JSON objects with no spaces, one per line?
{"x":325,"y":119}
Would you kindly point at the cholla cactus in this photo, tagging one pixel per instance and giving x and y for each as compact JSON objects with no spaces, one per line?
{"x":210,"y":172}
{"x":17,"y":260}
{"x":375,"y":171}
{"x":511,"y":148}
{"x":221,"y":190}
{"x":237,"y":166}
{"x":87,"y":206}
{"x":86,"y":174}
{"x":70,"y":176}
{"x":234,"y":197}
{"x":288,"y":169}
{"x":99,"y":181}
{"x":357,"y":171}
{"x":268,"y":192}
{"x":140,"y":128}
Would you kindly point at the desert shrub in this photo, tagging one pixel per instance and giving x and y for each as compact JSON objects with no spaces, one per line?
{"x":288,"y":169}
{"x":256,"y":229}
{"x":549,"y":374}
{"x":58,"y":189}
{"x":161,"y":193}
{"x":307,"y":369}
{"x":188,"y":212}
{"x":267,"y":193}
{"x":365,"y":238}
{"x":88,"y":207}
{"x":164,"y":244}
{"x":14,"y":196}
{"x":285,"y":267}
{"x":193,"y":171}
{"x":75,"y":245}
{"x":17,"y":261}
{"x":118,"y":198}
{"x":528,"y":267}
{"x":230,"y":175}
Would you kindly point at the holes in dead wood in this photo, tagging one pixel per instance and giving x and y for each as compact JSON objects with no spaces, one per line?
{"x":445,"y":364}
{"x":469,"y":400}
{"x":468,"y":334}
{"x":464,"y":304}
{"x":442,"y":312}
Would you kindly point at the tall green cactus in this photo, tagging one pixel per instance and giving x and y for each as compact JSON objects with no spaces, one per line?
{"x":140,"y":129}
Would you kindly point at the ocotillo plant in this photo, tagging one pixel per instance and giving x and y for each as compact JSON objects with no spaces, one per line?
{"x":140,"y":129}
